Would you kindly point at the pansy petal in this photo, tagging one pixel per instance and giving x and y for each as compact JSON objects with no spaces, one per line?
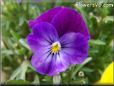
{"x":45,"y":31}
{"x":69,"y":20}
{"x":41,"y":61}
{"x":36,"y":44}
{"x":43,"y":36}
{"x":45,"y":17}
{"x":58,"y":65}
{"x":74,"y":47}
{"x":47,"y":63}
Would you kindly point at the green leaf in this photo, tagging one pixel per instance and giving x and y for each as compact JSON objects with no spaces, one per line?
{"x":36,"y":80}
{"x":56,"y":79}
{"x":21,"y":21}
{"x":23,"y":43}
{"x":108,"y":19}
{"x":24,"y":67}
{"x":15,"y":73}
{"x":20,"y":72}
{"x":15,"y":35}
{"x":17,"y":82}
{"x":80,"y":66}
{"x":96,"y":42}
{"x":7,"y":52}
{"x":86,"y":69}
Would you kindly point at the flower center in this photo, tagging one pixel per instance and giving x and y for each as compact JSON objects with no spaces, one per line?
{"x":55,"y":47}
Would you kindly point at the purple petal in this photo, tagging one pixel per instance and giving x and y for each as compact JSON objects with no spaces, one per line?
{"x":41,"y":61}
{"x":69,"y":20}
{"x":58,"y":65}
{"x":46,"y":63}
{"x":34,"y":42}
{"x":45,"y":17}
{"x":64,"y":19}
{"x":43,"y":35}
{"x":74,"y":47}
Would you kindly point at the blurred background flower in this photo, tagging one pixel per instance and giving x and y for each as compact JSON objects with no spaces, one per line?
{"x":108,"y":75}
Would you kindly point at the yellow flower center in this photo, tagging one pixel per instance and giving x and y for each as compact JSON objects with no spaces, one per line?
{"x":55,"y":47}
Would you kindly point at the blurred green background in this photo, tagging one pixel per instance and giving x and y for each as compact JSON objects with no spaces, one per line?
{"x":16,"y":54}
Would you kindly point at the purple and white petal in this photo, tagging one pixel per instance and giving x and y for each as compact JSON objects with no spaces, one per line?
{"x":44,"y":34}
{"x":58,"y":65}
{"x":74,"y":47}
{"x":46,"y":63}
{"x":41,"y":61}
{"x":35,"y":44}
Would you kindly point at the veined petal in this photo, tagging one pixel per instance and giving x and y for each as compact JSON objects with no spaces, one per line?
{"x":41,"y":61}
{"x":58,"y":65}
{"x":69,"y":20}
{"x":44,"y":34}
{"x":37,"y":44}
{"x":74,"y":47}
{"x":48,"y":63}
{"x":45,"y":31}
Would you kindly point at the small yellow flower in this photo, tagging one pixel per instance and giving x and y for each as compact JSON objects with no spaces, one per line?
{"x":108,"y":75}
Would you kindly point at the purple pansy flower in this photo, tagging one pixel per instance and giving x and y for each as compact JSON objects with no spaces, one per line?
{"x":59,"y":38}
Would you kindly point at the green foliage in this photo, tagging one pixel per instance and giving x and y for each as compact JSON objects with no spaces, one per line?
{"x":17,"y":82}
{"x":16,"y":54}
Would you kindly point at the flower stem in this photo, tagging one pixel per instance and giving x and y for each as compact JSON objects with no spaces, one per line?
{"x":56,"y":79}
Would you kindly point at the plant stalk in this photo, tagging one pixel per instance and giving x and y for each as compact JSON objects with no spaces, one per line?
{"x":56,"y":79}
